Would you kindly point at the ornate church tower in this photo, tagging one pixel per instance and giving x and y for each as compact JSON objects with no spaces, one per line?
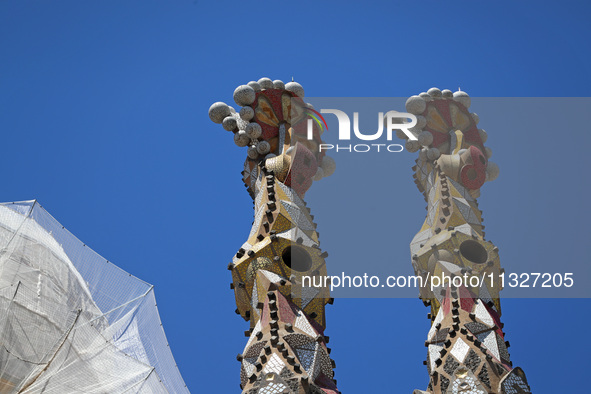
{"x":286,"y":351}
{"x":467,"y":351}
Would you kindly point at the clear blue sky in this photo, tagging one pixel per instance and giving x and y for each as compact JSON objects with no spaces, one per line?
{"x":103,"y":118}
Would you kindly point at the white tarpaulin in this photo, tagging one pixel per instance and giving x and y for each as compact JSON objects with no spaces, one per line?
{"x":70,"y":321}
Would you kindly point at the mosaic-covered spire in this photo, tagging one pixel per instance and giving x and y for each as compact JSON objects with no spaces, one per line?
{"x":467,"y":351}
{"x":287,"y":350}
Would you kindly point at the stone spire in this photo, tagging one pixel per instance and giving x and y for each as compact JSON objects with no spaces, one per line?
{"x":467,"y":351}
{"x":287,"y":350}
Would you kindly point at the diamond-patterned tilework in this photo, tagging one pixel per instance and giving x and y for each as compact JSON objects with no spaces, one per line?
{"x":434,"y":354}
{"x":463,"y":191}
{"x":255,"y":350}
{"x":273,"y":388}
{"x":502,"y":348}
{"x":512,"y":383}
{"x":273,"y":277}
{"x":248,"y":364}
{"x":460,"y":350}
{"x":275,"y":364}
{"x":450,"y":365}
{"x":306,"y":358}
{"x":476,"y":327}
{"x":437,"y":320}
{"x":255,"y":330}
{"x":472,"y":361}
{"x":299,"y":341}
{"x":308,"y":294}
{"x":299,"y":218}
{"x":483,"y":376}
{"x":441,"y":335}
{"x":303,"y":324}
{"x":489,"y":341}
{"x":450,"y":267}
{"x":482,"y":314}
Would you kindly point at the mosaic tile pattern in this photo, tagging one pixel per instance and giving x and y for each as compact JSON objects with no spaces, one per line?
{"x":473,"y":361}
{"x":286,"y":351}
{"x":467,"y":352}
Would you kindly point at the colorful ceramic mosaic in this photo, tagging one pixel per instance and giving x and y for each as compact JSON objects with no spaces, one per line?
{"x":286,"y":351}
{"x":467,"y":352}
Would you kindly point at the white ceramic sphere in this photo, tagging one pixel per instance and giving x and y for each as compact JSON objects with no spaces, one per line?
{"x":241,"y":139}
{"x":254,"y":130}
{"x":263,"y":147}
{"x":255,"y":86}
{"x":412,"y":146}
{"x":244,"y":95}
{"x":265,"y":83}
{"x":218,"y":111}
{"x":421,"y":122}
{"x":229,"y":123}
{"x":462,"y":98}
{"x":252,"y":152}
{"x":416,"y":105}
{"x":425,"y":138}
{"x":401,"y":134}
{"x":246,"y":113}
{"x":434,"y":92}
{"x":296,"y":88}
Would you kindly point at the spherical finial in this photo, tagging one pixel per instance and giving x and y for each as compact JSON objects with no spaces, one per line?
{"x":263,"y":147}
{"x":278,"y":84}
{"x":246,"y":113}
{"x":434,"y":92}
{"x":241,"y":139}
{"x":255,"y":85}
{"x":218,"y":111}
{"x":421,"y":122}
{"x":265,"y":83}
{"x":412,"y":146}
{"x":416,"y":105}
{"x":295,"y":88}
{"x":252,"y":152}
{"x":229,"y":123}
{"x":462,"y":98}
{"x":425,"y":138}
{"x":244,"y":95}
{"x":254,"y":130}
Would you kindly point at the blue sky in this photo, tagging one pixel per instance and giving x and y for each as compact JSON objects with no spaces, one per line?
{"x":104,"y":120}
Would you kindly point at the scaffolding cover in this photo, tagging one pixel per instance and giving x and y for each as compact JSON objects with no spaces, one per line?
{"x":71,"y":321}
